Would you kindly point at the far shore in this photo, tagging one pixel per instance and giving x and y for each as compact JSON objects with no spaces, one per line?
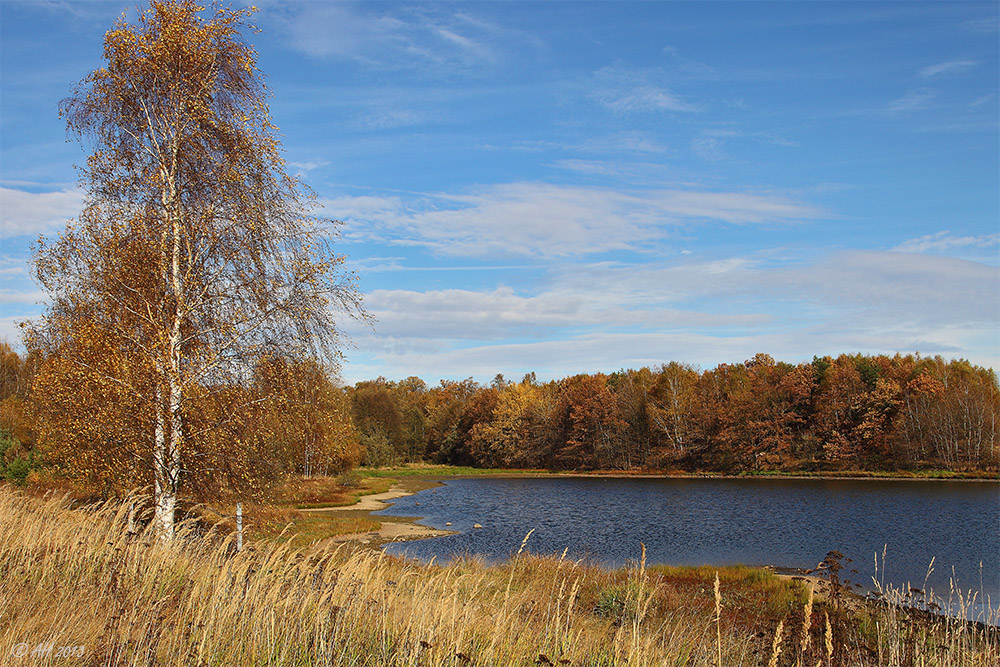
{"x":435,"y":472}
{"x":769,"y":476}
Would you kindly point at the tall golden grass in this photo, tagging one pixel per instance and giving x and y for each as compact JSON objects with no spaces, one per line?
{"x":77,"y":588}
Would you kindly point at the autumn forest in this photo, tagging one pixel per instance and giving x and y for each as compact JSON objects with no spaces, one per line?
{"x":853,"y":412}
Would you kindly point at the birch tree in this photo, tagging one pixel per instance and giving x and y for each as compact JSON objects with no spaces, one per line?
{"x":195,"y":255}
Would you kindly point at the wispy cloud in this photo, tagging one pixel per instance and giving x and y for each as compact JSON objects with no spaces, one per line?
{"x":610,"y":351}
{"x":911,"y":101}
{"x":594,"y":167}
{"x":711,"y":144}
{"x":605,"y":316}
{"x":630,"y":141}
{"x":543,"y":220}
{"x":946,"y":241}
{"x":985,"y":25}
{"x":690,"y":68}
{"x":981,"y":100}
{"x":309,"y":165}
{"x":412,"y":39}
{"x":29,"y":213}
{"x":923,"y":291}
{"x":626,"y":91}
{"x":868,"y":288}
{"x":31,"y":297}
{"x":501,"y":313}
{"x":949,"y":67}
{"x":393,"y":264}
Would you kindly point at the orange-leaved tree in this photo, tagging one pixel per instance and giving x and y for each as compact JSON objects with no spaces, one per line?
{"x":194,"y":258}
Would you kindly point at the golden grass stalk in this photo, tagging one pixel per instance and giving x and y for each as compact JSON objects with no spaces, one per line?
{"x":806,"y":625}
{"x":829,"y":639}
{"x":776,"y":645}
{"x":718,"y":619}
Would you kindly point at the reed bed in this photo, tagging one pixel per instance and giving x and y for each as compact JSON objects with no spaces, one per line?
{"x":77,"y":587}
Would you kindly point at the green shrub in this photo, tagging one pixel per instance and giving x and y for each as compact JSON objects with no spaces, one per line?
{"x":14,"y":465}
{"x":16,"y":471}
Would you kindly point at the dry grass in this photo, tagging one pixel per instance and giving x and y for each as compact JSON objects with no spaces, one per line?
{"x":75,"y":578}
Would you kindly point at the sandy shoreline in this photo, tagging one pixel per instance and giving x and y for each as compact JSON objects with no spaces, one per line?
{"x":392,"y":529}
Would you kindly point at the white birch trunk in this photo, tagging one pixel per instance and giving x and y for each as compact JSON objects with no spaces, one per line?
{"x":167,"y":459}
{"x":162,"y":512}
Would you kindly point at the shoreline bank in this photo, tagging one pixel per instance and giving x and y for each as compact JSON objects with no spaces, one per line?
{"x":431,"y":471}
{"x":392,"y":528}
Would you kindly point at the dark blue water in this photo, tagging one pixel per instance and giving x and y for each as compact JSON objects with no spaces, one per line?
{"x":780,"y":522}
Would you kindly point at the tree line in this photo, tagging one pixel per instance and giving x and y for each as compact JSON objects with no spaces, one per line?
{"x":854,"y":412}
{"x":848,"y":412}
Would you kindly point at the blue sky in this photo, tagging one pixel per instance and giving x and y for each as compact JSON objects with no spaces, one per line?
{"x":577,"y":187}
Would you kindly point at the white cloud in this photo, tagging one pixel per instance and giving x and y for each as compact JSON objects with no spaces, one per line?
{"x":710,"y":149}
{"x":606,"y":316}
{"x":945,"y":241}
{"x":711,"y":144}
{"x":645,"y":98}
{"x":911,"y":101}
{"x":413,"y":39}
{"x":29,"y":213}
{"x":949,"y":67}
{"x":981,"y":100}
{"x":33,"y":297}
{"x":10,"y":330}
{"x":632,"y":141}
{"x":865,"y":288}
{"x":382,"y":264}
{"x":309,"y":165}
{"x":332,"y":29}
{"x":501,"y":314}
{"x":918,"y":291}
{"x":542,"y":220}
{"x":608,"y":352}
{"x":593,"y":167}
{"x":627,"y":91}
{"x":987,"y":25}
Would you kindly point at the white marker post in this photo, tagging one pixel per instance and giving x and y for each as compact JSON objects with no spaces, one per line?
{"x":239,"y":526}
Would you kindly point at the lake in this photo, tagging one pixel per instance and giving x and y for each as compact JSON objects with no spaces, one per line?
{"x":781,"y":522}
